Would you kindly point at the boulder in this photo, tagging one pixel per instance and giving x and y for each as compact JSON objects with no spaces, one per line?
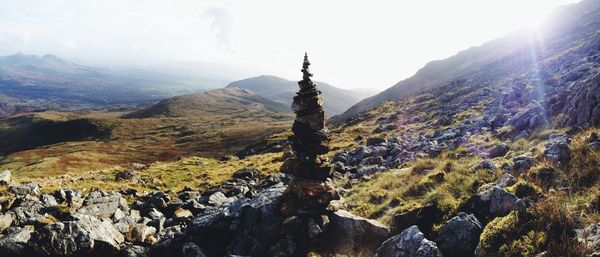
{"x":351,"y":234}
{"x":410,"y":243}
{"x":498,"y":150}
{"x":84,"y":235}
{"x":522,"y":164}
{"x":190,"y":249}
{"x":15,"y":242}
{"x":558,"y":150}
{"x":485,"y":165}
{"x":492,"y":202}
{"x":219,"y":199}
{"x":459,"y":236}
{"x":71,"y":197}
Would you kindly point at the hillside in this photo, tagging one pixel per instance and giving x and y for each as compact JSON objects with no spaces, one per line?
{"x":556,"y":55}
{"x":282,"y":90}
{"x":236,"y":102}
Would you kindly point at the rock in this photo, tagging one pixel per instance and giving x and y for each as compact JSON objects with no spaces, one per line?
{"x":590,"y":237}
{"x":492,"y":202}
{"x":26,"y":210}
{"x":219,"y":199}
{"x":6,"y":220}
{"x":127,"y":175}
{"x":424,"y":217}
{"x":353,"y":234}
{"x":71,"y":197}
{"x":582,"y":104}
{"x":485,"y":165}
{"x":102,"y":205}
{"x":25,"y":189}
{"x":5,"y":177}
{"x":134,"y":251}
{"x":48,"y":201}
{"x":140,"y":233}
{"x":83,"y":235}
{"x":373,"y":141}
{"x":558,"y":150}
{"x":190,"y":249}
{"x":15,"y":242}
{"x":522,"y":164}
{"x":506,"y":180}
{"x":459,"y":236}
{"x":498,"y":151}
{"x":182,"y":213}
{"x":246,"y":173}
{"x":410,"y":243}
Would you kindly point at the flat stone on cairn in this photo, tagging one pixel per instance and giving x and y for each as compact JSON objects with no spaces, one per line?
{"x":311,"y":190}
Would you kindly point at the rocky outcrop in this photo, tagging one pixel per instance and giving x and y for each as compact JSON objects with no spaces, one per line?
{"x":582,"y":106}
{"x":558,"y":149}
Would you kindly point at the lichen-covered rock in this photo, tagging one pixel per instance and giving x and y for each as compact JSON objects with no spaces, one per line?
{"x":5,"y":177}
{"x":492,"y":202}
{"x":102,"y":204}
{"x":522,"y":164}
{"x":459,"y":236}
{"x":410,"y":243}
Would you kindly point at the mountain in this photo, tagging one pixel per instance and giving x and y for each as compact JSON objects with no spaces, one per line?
{"x":562,"y":51}
{"x":337,"y":100}
{"x":51,"y":82}
{"x":220,"y":102}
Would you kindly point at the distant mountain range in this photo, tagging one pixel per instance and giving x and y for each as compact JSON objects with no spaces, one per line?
{"x":29,"y":82}
{"x":337,"y":100}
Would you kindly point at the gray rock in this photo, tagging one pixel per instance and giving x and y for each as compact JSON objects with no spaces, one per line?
{"x":25,"y":189}
{"x":348,"y":232}
{"x":83,"y":235}
{"x":506,"y":180}
{"x":522,"y":164}
{"x":135,"y":251}
{"x":501,"y":201}
{"x":485,"y":165}
{"x":498,"y":150}
{"x":459,"y":236}
{"x":102,"y":205}
{"x":590,"y":237}
{"x":558,"y":150}
{"x":410,"y":243}
{"x":219,"y":199}
{"x":15,"y":242}
{"x":48,"y":201}
{"x":6,"y":220}
{"x":246,"y":173}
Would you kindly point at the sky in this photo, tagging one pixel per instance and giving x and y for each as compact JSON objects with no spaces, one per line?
{"x":351,"y":44}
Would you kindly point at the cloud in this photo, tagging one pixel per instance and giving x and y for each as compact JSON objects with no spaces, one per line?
{"x":221,"y":24}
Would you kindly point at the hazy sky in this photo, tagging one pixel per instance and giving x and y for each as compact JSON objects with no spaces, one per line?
{"x":352,"y":44}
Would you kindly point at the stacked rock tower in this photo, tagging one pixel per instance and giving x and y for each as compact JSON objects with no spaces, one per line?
{"x":311,"y":137}
{"x":311,"y":189}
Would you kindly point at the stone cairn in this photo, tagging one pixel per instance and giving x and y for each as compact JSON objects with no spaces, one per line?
{"x":311,"y":189}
